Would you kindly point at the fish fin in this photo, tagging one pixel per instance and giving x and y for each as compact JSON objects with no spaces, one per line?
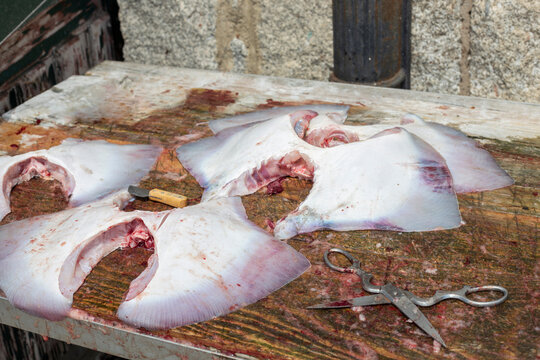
{"x":215,"y":267}
{"x":400,"y":183}
{"x":338,"y":113}
{"x":412,"y":119}
{"x":473,"y":168}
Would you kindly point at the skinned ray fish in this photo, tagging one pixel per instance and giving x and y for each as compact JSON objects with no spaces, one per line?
{"x":338,"y":113}
{"x":208,"y":261}
{"x":87,"y":170}
{"x":393,"y":181}
{"x":473,"y":169}
{"x":225,"y":263}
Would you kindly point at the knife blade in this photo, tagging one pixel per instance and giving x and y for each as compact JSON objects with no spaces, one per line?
{"x":358,"y":301}
{"x":400,"y":300}
{"x":159,"y":195}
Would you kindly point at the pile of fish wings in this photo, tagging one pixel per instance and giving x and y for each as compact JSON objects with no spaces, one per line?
{"x":209,"y":259}
{"x":401,"y":178}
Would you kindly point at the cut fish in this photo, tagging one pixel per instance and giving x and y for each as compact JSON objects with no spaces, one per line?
{"x":212,"y":261}
{"x":337,"y":112}
{"x":473,"y":169}
{"x":87,"y":170}
{"x":240,"y":160}
{"x":393,"y":181}
{"x":44,"y":259}
{"x":209,"y":260}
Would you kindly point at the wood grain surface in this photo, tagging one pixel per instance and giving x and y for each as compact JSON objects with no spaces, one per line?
{"x":498,"y":244}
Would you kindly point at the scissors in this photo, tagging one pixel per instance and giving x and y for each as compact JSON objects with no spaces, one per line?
{"x":403,"y":299}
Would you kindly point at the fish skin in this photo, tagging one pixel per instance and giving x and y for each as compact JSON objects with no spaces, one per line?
{"x":406,"y":187}
{"x":87,"y":170}
{"x":473,"y":169}
{"x":44,"y":260}
{"x":224,"y":171}
{"x":216,"y":163}
{"x":225,"y":264}
{"x":34,"y":254}
{"x":337,"y":112}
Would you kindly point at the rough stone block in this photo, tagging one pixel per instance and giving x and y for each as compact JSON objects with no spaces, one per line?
{"x":505,"y":49}
{"x":172,"y":32}
{"x":296,"y":38}
{"x":436,"y":46}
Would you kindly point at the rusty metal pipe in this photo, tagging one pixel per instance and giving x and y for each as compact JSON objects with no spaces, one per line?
{"x":372,"y":42}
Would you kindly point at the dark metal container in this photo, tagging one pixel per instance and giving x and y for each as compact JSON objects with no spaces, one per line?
{"x":372,"y":42}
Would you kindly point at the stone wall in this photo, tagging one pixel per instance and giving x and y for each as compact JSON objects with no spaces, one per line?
{"x":487,"y":48}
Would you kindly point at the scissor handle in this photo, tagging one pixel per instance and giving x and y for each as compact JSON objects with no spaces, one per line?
{"x":353,"y":268}
{"x":461,"y":295}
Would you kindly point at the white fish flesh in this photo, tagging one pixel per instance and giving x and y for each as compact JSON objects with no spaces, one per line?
{"x":240,"y":160}
{"x":87,"y":170}
{"x":393,"y":181}
{"x":212,"y":261}
{"x":44,"y":259}
{"x":208,"y":260}
{"x":337,"y":112}
{"x":473,"y":169}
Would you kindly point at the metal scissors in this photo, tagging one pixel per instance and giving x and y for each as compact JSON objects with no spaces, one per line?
{"x":403,"y":299}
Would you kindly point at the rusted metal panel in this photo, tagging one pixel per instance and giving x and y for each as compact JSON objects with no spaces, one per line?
{"x":66,"y":39}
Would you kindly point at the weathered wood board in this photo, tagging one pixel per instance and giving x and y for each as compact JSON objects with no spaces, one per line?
{"x":498,"y":244}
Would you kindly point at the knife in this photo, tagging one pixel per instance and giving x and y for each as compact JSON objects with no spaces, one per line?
{"x":159,"y":195}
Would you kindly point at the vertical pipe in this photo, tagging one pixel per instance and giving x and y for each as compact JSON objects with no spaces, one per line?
{"x":372,"y":41}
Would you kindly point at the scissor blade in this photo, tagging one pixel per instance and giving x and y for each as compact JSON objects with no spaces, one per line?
{"x":403,"y":303}
{"x":358,"y":301}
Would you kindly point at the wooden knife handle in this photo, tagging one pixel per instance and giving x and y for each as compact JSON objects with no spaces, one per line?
{"x":168,"y":198}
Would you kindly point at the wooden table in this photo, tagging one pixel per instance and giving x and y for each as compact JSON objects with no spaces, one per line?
{"x":126,"y":103}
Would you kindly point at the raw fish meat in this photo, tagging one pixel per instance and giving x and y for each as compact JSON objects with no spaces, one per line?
{"x":337,"y":112}
{"x":473,"y":169}
{"x":240,"y":160}
{"x":393,"y":181}
{"x":87,"y":170}
{"x":212,"y":261}
{"x":44,"y":259}
{"x":208,"y":260}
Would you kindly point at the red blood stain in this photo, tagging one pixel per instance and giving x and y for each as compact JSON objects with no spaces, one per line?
{"x":38,"y":121}
{"x":20,"y":130}
{"x":268,"y":222}
{"x":535,"y":193}
{"x":206,"y":97}
{"x":14,"y":146}
{"x":275,"y":187}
